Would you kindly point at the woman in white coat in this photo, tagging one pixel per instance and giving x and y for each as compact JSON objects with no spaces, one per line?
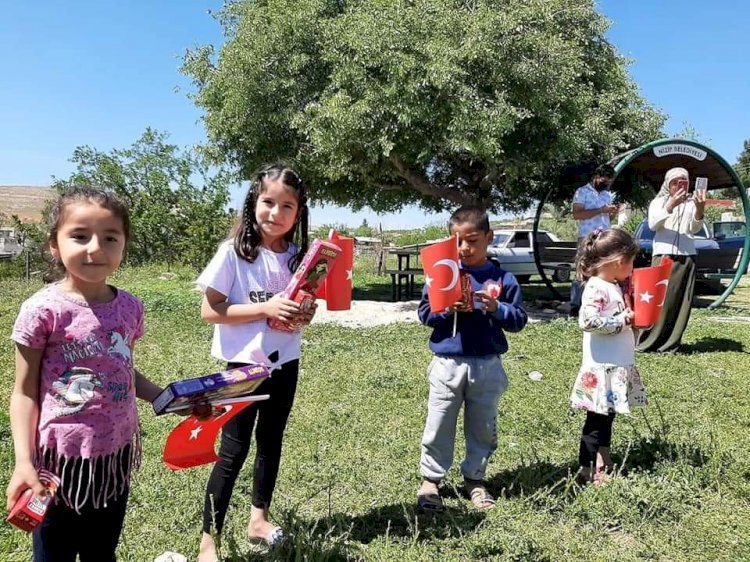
{"x":675,"y":216}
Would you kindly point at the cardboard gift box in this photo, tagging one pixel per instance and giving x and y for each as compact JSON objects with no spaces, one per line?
{"x":210,"y":389}
{"x":308,"y":278}
{"x":29,"y":510}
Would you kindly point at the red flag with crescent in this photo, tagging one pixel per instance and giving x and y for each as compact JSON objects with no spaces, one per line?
{"x":191,"y":443}
{"x":649,"y":292}
{"x":441,"y":274}
{"x":338,"y":285}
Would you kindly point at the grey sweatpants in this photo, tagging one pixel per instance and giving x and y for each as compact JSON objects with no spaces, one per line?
{"x":477,"y":383}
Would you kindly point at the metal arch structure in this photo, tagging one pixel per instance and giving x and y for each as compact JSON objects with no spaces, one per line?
{"x":646,"y":165}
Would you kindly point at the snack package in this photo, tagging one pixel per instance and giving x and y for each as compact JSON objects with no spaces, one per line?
{"x":29,"y":511}
{"x":467,"y":293}
{"x":307,"y":279}
{"x":210,"y":389}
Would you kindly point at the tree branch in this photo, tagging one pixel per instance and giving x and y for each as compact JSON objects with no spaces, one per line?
{"x":418,"y":183}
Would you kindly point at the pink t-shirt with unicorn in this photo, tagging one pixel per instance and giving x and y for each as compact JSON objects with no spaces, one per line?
{"x":87,"y":403}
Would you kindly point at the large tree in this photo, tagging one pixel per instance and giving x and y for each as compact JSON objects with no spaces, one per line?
{"x":177,"y":202}
{"x":382,"y":103}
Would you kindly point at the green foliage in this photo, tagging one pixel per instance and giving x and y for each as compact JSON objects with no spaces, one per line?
{"x":713,"y":214}
{"x":636,"y":217}
{"x":364,"y":229}
{"x":743,"y":165}
{"x":418,"y":235}
{"x":433,"y":102}
{"x":323,"y":231}
{"x":177,"y":203}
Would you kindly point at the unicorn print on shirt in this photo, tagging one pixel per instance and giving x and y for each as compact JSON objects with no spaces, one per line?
{"x":75,"y":388}
{"x":119,"y":346}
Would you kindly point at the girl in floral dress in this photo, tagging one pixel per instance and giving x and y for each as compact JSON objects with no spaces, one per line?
{"x":608,"y":382}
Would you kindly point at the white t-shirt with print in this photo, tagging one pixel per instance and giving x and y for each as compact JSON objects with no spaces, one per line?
{"x":244,"y":283}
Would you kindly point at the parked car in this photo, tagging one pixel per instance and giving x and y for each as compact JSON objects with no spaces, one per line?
{"x":515,"y":252}
{"x":644,"y":236}
{"x":730,"y":234}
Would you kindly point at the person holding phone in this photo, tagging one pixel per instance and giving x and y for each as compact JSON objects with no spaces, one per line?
{"x":675,"y":217}
{"x":593,"y":209}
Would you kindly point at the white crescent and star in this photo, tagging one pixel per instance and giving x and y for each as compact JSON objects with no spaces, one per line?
{"x":646,"y":297}
{"x":665,"y":282}
{"x":454,"y":269}
{"x":349,"y":274}
{"x":194,"y":433}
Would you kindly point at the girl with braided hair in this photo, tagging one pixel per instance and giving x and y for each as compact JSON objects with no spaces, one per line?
{"x":608,"y":382}
{"x":242,"y":286}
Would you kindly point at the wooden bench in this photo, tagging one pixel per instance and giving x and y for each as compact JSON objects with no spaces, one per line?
{"x":402,"y":281}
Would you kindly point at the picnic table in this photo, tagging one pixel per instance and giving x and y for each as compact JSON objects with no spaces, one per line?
{"x":409,"y":266}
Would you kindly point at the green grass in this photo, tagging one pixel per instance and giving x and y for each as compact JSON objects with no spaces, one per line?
{"x":349,"y":472}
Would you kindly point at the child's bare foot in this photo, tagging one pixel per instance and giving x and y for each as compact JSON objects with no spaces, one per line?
{"x":207,"y":551}
{"x":261,"y":529}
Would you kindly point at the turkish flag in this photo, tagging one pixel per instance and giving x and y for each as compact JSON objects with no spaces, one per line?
{"x":191,"y":443}
{"x":441,"y":274}
{"x":649,"y":292}
{"x":338,"y":285}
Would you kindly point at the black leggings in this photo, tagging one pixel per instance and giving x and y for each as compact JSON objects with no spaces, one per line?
{"x":272,"y":416}
{"x":597,"y":432}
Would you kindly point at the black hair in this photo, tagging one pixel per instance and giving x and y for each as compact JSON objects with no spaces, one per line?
{"x":471,"y":214}
{"x":604,"y":171}
{"x":601,"y":247}
{"x":76,"y":195}
{"x":246,"y":233}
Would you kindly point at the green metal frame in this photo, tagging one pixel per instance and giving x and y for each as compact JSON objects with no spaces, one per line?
{"x":621,"y":165}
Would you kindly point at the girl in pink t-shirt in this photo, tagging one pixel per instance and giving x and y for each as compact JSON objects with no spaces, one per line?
{"x":73,"y":409}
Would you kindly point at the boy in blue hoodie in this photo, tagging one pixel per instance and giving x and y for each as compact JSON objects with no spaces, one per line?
{"x":467,"y":369}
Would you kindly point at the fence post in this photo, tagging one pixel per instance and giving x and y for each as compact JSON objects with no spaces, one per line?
{"x":379,"y":250}
{"x":27,"y":265}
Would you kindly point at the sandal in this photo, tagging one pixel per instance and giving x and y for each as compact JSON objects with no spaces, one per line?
{"x":479,"y":495}
{"x":430,"y":501}
{"x":273,"y":538}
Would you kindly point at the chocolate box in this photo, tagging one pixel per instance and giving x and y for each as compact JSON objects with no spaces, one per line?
{"x":210,"y":389}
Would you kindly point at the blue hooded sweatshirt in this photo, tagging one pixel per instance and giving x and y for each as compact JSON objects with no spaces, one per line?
{"x":478,"y":333}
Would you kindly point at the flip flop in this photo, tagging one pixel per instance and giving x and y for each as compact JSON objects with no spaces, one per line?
{"x":430,"y":502}
{"x":479,"y":495}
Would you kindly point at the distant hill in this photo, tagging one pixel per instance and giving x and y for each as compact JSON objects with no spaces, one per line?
{"x":25,"y":201}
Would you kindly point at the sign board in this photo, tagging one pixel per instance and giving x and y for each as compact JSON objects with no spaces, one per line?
{"x":679,"y":149}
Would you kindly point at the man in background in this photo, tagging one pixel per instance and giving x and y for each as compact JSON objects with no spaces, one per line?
{"x":592,"y":208}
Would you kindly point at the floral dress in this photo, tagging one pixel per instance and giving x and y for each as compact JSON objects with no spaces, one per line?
{"x":608,"y":380}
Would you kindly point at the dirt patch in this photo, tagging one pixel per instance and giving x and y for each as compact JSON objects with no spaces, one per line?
{"x":366,"y":314}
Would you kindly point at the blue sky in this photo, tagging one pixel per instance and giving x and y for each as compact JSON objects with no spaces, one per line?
{"x":98,"y":72}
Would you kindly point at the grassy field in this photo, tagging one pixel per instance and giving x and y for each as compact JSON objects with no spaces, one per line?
{"x":349,"y":473}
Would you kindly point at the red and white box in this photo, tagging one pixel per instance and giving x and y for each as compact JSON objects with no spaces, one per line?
{"x":308,"y":278}
{"x":29,"y":510}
